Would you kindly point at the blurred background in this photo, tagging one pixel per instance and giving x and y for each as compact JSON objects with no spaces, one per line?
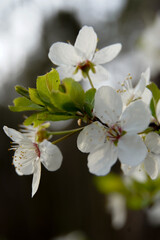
{"x":67,"y":205}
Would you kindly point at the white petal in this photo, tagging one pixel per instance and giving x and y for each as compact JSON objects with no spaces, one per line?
{"x":36,"y":177}
{"x":100,"y":75}
{"x":136,"y":117}
{"x":68,"y":72}
{"x":116,"y":205}
{"x":158,"y":111}
{"x":152,"y":142}
{"x":63,"y":53}
{"x":24,"y":161}
{"x":102,"y":159}
{"x":140,"y":87}
{"x":91,"y":137}
{"x":136,"y":172}
{"x":108,"y":105}
{"x":107,"y":54}
{"x":51,"y":156}
{"x":86,"y":42}
{"x":131,"y":150}
{"x":13,"y":134}
{"x":146,"y":75}
{"x":146,"y":96}
{"x":151,"y":165}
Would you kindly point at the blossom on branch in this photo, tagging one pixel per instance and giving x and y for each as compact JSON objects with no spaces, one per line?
{"x":130,"y":93}
{"x":29,"y":155}
{"x":115,"y":133}
{"x":75,"y":61}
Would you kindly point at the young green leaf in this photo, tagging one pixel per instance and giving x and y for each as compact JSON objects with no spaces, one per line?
{"x":34,"y":96}
{"x":70,"y":97}
{"x":46,"y":84}
{"x":89,"y":101}
{"x":24,"y":104}
{"x":22,"y":91}
{"x":46,"y":116}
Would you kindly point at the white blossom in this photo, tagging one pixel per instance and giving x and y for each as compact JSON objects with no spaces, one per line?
{"x":130,"y":93}
{"x":151,"y":163}
{"x":29,"y":155}
{"x":116,"y":205}
{"x":73,"y":60}
{"x":114,"y":134}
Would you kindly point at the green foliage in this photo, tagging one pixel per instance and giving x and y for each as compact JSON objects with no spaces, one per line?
{"x":22,"y":91}
{"x":89,"y":101}
{"x":24,"y":104}
{"x":46,"y":84}
{"x":69,"y":97}
{"x":155,"y":97}
{"x":54,"y":101}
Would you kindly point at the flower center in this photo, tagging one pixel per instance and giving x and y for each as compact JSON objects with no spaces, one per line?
{"x":37,"y":150}
{"x":85,"y":66}
{"x":114,"y":133}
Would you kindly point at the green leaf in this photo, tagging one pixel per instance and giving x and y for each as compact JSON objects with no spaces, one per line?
{"x":89,"y":101}
{"x":33,"y":120}
{"x":34,"y":96}
{"x":70,"y":97}
{"x":155,"y":97}
{"x":155,"y":92}
{"x":52,"y":80}
{"x":46,"y":116}
{"x":152,"y":108}
{"x":22,"y":91}
{"x":46,"y":84}
{"x":24,"y":104}
{"x":75,"y":91}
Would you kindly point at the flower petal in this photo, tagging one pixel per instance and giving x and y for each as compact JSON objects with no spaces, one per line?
{"x":136,"y":117}
{"x":131,"y":149}
{"x":63,"y":54}
{"x":136,"y":172}
{"x":140,"y":87}
{"x":108,"y":105}
{"x":13,"y":134}
{"x":36,"y":177}
{"x":102,"y":159}
{"x":66,"y":71}
{"x":158,"y":111}
{"x":107,"y":54}
{"x":151,"y":165}
{"x":152,"y":142}
{"x":146,"y":96}
{"x":100,"y":75}
{"x":51,"y":156}
{"x":86,"y":42}
{"x":23,"y":161}
{"x":90,"y":137}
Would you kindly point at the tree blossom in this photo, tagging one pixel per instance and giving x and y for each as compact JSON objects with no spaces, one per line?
{"x":130,"y":93}
{"x":29,"y":155}
{"x":114,"y":134}
{"x":116,"y":205}
{"x":74,"y":61}
{"x":151,"y":162}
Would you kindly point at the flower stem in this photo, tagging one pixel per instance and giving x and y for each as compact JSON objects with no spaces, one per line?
{"x":90,"y":80}
{"x":65,"y":132}
{"x":70,"y":132}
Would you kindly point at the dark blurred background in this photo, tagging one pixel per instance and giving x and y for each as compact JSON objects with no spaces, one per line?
{"x":67,"y":200}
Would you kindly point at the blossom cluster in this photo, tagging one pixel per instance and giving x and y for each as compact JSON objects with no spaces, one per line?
{"x":113,"y":124}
